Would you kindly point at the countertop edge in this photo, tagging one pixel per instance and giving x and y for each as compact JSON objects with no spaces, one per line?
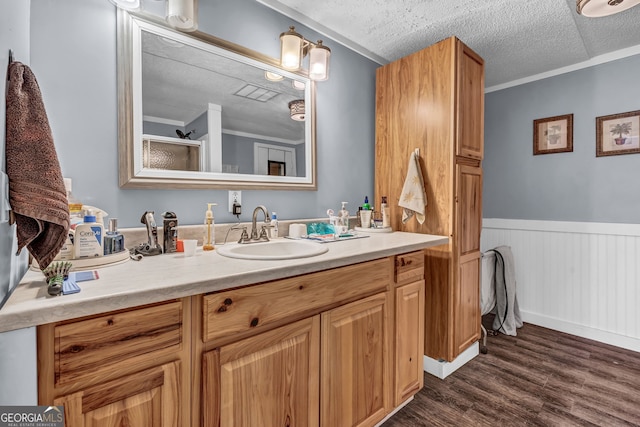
{"x":19,"y":314}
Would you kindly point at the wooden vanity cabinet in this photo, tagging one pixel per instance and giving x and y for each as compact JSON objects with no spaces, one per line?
{"x":127,"y":367}
{"x":319,"y":351}
{"x":340,"y":347}
{"x":433,"y":101}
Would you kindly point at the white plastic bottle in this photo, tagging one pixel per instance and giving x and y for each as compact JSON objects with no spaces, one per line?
{"x":386,"y":221}
{"x":209,"y":237}
{"x":89,"y":242}
{"x":274,"y":228}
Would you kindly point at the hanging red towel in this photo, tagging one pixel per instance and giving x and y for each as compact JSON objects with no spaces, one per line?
{"x":36,"y":188}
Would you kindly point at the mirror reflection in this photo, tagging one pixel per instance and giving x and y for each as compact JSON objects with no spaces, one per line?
{"x":208,"y":113}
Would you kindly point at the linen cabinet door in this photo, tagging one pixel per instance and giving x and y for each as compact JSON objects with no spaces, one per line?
{"x":470,"y":103}
{"x":355,"y":386}
{"x":466,"y":295}
{"x":149,"y":398}
{"x":270,"y":379}
{"x":409,"y":335}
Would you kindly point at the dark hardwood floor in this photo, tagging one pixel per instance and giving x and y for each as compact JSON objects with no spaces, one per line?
{"x":539,"y":378}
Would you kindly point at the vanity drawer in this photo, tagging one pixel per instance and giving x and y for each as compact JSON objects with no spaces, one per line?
{"x":409,"y":267}
{"x":85,"y":347}
{"x":239,"y":312}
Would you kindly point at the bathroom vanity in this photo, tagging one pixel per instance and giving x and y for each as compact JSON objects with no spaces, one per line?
{"x":331,"y":340}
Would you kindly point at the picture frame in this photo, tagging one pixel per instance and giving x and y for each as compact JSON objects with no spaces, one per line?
{"x":553,"y":135}
{"x":618,"y":134}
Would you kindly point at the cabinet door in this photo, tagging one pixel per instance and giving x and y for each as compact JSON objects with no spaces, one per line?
{"x":150,"y":398}
{"x":355,"y":386}
{"x":466,"y":289}
{"x":466,"y":302}
{"x":409,"y":334}
{"x":468,"y":208}
{"x":269,"y":379}
{"x":470,"y":103}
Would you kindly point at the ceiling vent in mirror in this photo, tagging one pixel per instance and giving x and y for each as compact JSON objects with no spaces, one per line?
{"x":297,"y":110}
{"x":256,"y":93}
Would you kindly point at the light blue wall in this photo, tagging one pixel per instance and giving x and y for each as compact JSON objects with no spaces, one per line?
{"x":574,"y":186}
{"x":14,"y":31}
{"x":73,"y":54}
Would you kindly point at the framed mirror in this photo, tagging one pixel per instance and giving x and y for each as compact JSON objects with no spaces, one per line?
{"x":195,"y":111}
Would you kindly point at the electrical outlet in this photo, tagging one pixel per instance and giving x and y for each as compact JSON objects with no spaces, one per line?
{"x":235,"y":197}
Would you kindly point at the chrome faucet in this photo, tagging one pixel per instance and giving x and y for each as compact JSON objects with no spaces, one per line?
{"x":255,"y":237}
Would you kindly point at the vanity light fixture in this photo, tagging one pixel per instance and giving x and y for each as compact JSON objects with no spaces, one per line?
{"x":181,"y":14}
{"x":294,"y":47}
{"x":298,"y":84}
{"x":599,"y":8}
{"x":296,"y":108}
{"x":127,"y":4}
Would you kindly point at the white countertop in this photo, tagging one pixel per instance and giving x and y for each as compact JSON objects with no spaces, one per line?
{"x":164,"y":277}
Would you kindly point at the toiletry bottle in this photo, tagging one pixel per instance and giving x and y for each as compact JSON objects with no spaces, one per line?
{"x":75,"y":206}
{"x":359,"y":217}
{"x":344,"y":216}
{"x":66,"y":253}
{"x":209,"y":238}
{"x":274,"y":225}
{"x":385,"y":212}
{"x":89,"y":241}
{"x":170,"y":232}
{"x":113,"y":240}
{"x":366,"y":206}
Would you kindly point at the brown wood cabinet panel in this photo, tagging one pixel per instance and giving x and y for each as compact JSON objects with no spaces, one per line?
{"x":469,"y":208}
{"x":409,"y":267}
{"x":409,"y":337}
{"x":150,"y":398}
{"x":414,"y":98}
{"x":355,"y":372}
{"x":84,"y":347}
{"x":433,"y":100}
{"x":257,"y":308}
{"x":271,"y":379}
{"x":470,"y":138}
{"x":467,"y":302}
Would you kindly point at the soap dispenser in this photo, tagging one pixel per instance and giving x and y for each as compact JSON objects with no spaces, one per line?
{"x":209,"y":238}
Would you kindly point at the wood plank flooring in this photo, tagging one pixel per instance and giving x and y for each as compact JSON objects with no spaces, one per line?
{"x":539,"y":378}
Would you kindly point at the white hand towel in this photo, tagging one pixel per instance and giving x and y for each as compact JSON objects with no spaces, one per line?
{"x":413,"y":198}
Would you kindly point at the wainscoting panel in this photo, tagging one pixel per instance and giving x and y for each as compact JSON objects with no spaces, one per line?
{"x":579,"y":278}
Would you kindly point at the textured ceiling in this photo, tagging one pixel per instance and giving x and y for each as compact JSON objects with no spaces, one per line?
{"x":517,"y":39}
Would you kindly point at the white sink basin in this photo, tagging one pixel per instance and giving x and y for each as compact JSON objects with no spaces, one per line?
{"x":273,"y":250}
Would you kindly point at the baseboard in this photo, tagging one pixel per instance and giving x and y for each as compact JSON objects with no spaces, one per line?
{"x":392,"y":413}
{"x":611,"y":338}
{"x":442,"y":369}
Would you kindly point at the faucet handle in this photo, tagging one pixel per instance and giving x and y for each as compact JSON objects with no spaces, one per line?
{"x":263,"y":233}
{"x":244,"y":237}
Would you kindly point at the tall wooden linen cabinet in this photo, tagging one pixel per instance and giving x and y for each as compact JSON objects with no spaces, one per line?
{"x":433,"y":100}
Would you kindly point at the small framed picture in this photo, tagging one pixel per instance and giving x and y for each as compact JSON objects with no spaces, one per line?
{"x":618,"y":134}
{"x":553,"y":135}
